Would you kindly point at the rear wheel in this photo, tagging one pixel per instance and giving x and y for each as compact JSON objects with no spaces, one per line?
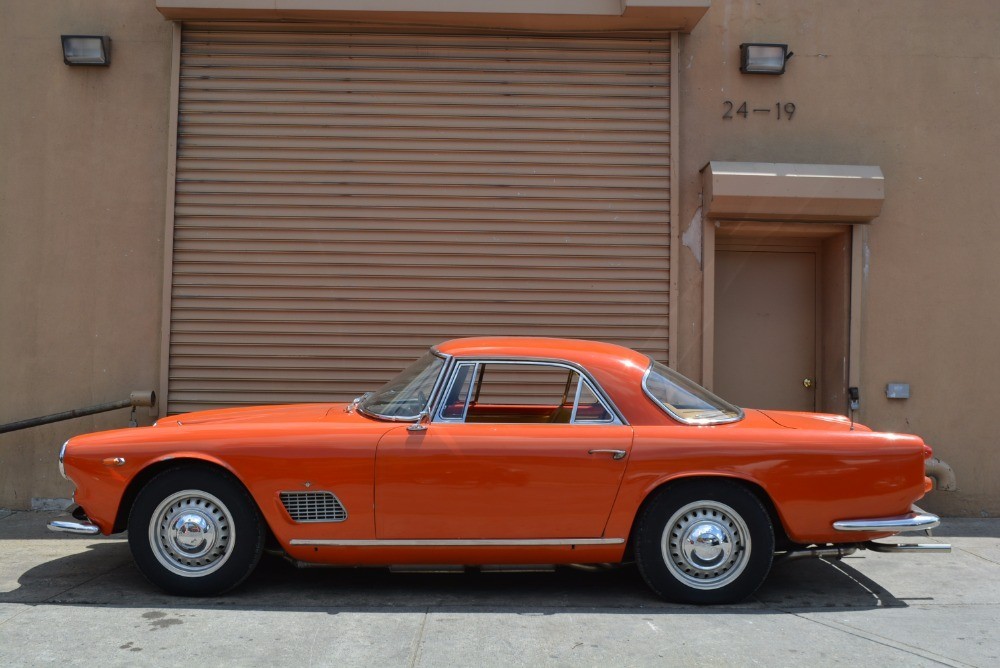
{"x":195,"y":532}
{"x":704,"y":542}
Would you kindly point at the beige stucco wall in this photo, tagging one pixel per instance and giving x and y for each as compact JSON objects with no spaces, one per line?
{"x":83,"y":155}
{"x":909,"y":85}
{"x":913,"y":87}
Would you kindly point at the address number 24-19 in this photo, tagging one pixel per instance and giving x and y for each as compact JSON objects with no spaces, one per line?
{"x":783,"y":110}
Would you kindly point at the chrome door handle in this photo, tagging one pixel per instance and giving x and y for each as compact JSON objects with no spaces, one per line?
{"x":615,"y":454}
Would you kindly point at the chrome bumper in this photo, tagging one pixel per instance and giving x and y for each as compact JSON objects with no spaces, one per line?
{"x":74,"y":521}
{"x":917,"y":520}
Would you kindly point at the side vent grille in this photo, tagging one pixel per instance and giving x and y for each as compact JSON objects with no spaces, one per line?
{"x":313,"y":506}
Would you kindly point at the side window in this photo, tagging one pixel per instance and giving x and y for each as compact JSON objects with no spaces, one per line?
{"x":588,"y":407}
{"x":514,"y":393}
{"x":456,"y":401}
{"x":529,"y":385}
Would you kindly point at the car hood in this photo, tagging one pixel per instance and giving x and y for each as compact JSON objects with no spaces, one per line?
{"x":255,"y":415}
{"x":815,"y":421}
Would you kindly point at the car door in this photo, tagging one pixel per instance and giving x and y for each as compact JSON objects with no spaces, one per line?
{"x":514,"y":451}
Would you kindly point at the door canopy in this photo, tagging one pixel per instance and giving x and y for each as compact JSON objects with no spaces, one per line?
{"x":776,"y":191}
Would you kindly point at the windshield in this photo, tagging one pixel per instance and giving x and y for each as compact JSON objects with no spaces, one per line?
{"x":406,"y":395}
{"x":686,"y":400}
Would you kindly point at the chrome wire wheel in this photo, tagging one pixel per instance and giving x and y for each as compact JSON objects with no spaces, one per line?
{"x":705,"y":545}
{"x":192,"y":533}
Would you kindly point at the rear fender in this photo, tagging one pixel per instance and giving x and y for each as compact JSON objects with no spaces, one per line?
{"x":753,"y":485}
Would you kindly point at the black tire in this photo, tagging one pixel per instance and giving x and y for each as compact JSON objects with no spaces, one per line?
{"x":195,"y":532}
{"x":732,"y":557}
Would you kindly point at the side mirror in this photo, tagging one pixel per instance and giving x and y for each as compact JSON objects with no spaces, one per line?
{"x":423,"y":420}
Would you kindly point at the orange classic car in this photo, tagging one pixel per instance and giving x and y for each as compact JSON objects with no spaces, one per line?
{"x":502,"y":451}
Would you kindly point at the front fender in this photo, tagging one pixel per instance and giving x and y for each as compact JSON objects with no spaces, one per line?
{"x":106,"y":490}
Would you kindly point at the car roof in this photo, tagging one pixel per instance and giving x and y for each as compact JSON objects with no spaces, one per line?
{"x":571,"y":350}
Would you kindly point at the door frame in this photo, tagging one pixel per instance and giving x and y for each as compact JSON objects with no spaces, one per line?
{"x":812,"y":247}
{"x":858,"y":243}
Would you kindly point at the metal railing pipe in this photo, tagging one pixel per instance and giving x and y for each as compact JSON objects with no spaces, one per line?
{"x":147,"y":398}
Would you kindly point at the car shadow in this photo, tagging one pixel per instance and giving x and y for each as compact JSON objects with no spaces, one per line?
{"x":103,"y":575}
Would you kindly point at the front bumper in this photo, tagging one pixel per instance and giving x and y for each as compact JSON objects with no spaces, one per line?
{"x":916,"y":520}
{"x":75,"y":520}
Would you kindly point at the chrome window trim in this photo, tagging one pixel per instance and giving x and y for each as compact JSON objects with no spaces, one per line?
{"x":695,"y":422}
{"x":431,"y":398}
{"x":576,"y":404}
{"x":476,"y":370}
{"x":616,"y":416}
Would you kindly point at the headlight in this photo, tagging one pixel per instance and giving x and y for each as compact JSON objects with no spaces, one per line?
{"x":62,"y":456}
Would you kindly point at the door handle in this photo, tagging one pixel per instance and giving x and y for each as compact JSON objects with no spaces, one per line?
{"x":615,"y":454}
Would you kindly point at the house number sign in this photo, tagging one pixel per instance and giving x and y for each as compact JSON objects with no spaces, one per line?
{"x":781,"y":110}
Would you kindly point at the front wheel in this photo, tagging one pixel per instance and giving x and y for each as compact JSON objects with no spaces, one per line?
{"x":195,"y":532}
{"x":704,"y":542}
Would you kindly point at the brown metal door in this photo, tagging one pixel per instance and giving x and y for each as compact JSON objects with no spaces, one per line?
{"x":345,"y":199}
{"x":765,"y":328}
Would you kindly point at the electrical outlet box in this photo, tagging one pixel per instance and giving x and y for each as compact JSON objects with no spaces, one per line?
{"x":897,"y":391}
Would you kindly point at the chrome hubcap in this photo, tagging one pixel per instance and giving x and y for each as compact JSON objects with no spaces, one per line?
{"x":706,"y":545}
{"x":191,"y":533}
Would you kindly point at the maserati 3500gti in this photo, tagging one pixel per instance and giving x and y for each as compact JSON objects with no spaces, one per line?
{"x":502,"y":451}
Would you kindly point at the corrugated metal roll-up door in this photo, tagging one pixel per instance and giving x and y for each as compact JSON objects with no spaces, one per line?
{"x":345,"y":200}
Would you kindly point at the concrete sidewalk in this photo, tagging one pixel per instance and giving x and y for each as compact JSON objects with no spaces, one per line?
{"x":79,"y":601}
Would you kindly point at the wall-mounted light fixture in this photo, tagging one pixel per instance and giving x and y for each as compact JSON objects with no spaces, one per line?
{"x":764,"y":58}
{"x":86,"y":49}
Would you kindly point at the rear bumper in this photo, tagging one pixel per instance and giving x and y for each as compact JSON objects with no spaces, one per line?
{"x":916,"y":520}
{"x":74,"y":521}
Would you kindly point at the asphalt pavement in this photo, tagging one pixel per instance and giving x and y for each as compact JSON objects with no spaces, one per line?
{"x":73,"y":600}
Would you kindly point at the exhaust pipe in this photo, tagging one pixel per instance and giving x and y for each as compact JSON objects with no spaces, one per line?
{"x":944,"y":475}
{"x":819,"y":553}
{"x":841,"y":551}
{"x":934,"y":548}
